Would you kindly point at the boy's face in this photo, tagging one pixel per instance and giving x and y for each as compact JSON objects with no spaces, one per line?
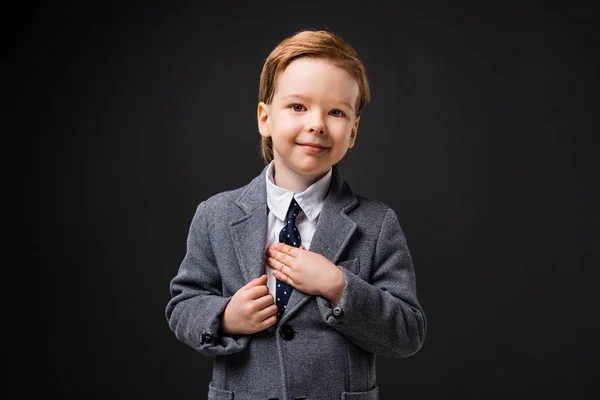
{"x":312,"y":118}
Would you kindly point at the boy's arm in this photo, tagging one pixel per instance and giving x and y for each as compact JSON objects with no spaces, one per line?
{"x":382,"y":316}
{"x":196,"y":301}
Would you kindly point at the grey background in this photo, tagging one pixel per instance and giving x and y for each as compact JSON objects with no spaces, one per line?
{"x":480,"y":135}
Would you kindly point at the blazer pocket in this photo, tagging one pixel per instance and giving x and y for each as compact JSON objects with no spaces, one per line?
{"x":372,"y":394}
{"x":351,"y":265}
{"x":219,"y":394}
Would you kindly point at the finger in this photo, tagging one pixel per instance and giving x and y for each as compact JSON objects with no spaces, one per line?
{"x":273,"y":263}
{"x":286,"y":249}
{"x":264,"y":301}
{"x":282,"y":257}
{"x":261,"y":280}
{"x":272,"y":320}
{"x":283,"y":277}
{"x":279,"y":266}
{"x":256,"y":292}
{"x":267,"y":312}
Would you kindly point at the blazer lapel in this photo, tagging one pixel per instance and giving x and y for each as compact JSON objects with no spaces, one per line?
{"x":333,"y":232}
{"x":249,"y":233}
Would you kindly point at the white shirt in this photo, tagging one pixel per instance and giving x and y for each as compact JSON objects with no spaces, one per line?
{"x":279,"y":199}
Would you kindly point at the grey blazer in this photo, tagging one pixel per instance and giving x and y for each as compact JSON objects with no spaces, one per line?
{"x":315,"y":351}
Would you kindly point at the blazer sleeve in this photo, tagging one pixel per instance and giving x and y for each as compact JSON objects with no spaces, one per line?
{"x":196,"y":296}
{"x":382,"y":316}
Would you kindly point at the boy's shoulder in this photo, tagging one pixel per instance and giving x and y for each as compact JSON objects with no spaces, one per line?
{"x":371,"y":202}
{"x":227,"y":198}
{"x":371,"y":206}
{"x":224,"y":197}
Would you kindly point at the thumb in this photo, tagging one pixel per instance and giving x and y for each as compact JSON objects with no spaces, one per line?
{"x":262,"y":280}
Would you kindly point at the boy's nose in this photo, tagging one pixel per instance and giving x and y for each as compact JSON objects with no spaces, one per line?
{"x":318,"y":130}
{"x":316,"y":125}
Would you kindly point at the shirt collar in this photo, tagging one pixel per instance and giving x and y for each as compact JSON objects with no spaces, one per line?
{"x":311,"y":200}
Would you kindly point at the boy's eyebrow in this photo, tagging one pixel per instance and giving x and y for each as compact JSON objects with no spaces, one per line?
{"x":294,"y":96}
{"x":299,"y":96}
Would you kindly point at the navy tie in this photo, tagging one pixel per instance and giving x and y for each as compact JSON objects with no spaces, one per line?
{"x":288,"y":235}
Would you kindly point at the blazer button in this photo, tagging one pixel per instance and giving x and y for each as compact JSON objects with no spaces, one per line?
{"x":207,"y":337}
{"x":286,"y":332}
{"x":337,"y":312}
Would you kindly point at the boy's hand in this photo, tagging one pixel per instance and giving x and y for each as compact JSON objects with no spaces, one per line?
{"x":251,"y":309}
{"x":306,"y":271}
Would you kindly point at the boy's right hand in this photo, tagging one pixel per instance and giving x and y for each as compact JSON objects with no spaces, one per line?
{"x":251,"y":309}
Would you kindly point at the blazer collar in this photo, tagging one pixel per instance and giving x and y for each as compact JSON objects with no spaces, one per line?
{"x":255,"y":193}
{"x":338,"y":198}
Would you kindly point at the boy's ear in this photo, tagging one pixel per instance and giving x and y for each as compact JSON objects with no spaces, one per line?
{"x":353,"y":133}
{"x":262,"y":114}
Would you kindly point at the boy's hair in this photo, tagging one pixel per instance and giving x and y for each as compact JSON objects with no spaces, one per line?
{"x":311,"y":44}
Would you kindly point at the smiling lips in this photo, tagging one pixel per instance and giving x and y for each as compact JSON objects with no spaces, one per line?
{"x":313,"y":147}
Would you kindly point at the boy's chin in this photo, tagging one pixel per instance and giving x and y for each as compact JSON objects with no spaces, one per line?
{"x":313,"y":170}
{"x":310,"y":167}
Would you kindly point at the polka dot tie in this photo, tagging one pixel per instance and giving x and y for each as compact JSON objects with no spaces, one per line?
{"x":288,"y":235}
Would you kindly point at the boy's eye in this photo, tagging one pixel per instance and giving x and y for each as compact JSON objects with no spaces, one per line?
{"x":297,"y":107}
{"x":336,"y":113}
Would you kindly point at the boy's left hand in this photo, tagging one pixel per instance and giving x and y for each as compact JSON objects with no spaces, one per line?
{"x":306,"y":271}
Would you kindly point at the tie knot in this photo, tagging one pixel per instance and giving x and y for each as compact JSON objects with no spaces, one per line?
{"x":294,"y":209}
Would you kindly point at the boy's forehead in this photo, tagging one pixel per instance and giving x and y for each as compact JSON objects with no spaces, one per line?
{"x":306,"y":76}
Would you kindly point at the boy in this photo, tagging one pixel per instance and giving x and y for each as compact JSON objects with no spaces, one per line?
{"x":292,"y":282}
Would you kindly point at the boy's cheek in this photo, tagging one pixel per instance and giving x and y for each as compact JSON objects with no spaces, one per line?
{"x":287,"y":124}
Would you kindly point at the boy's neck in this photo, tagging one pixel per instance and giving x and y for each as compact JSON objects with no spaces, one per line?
{"x":286,"y":179}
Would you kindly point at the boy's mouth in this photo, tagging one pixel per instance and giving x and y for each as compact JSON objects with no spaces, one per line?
{"x":313,"y":147}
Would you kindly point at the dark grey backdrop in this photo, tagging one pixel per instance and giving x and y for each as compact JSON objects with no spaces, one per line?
{"x":479,"y":135}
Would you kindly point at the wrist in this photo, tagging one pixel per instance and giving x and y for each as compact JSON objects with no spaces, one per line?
{"x":223,"y":323}
{"x":336,"y":289}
